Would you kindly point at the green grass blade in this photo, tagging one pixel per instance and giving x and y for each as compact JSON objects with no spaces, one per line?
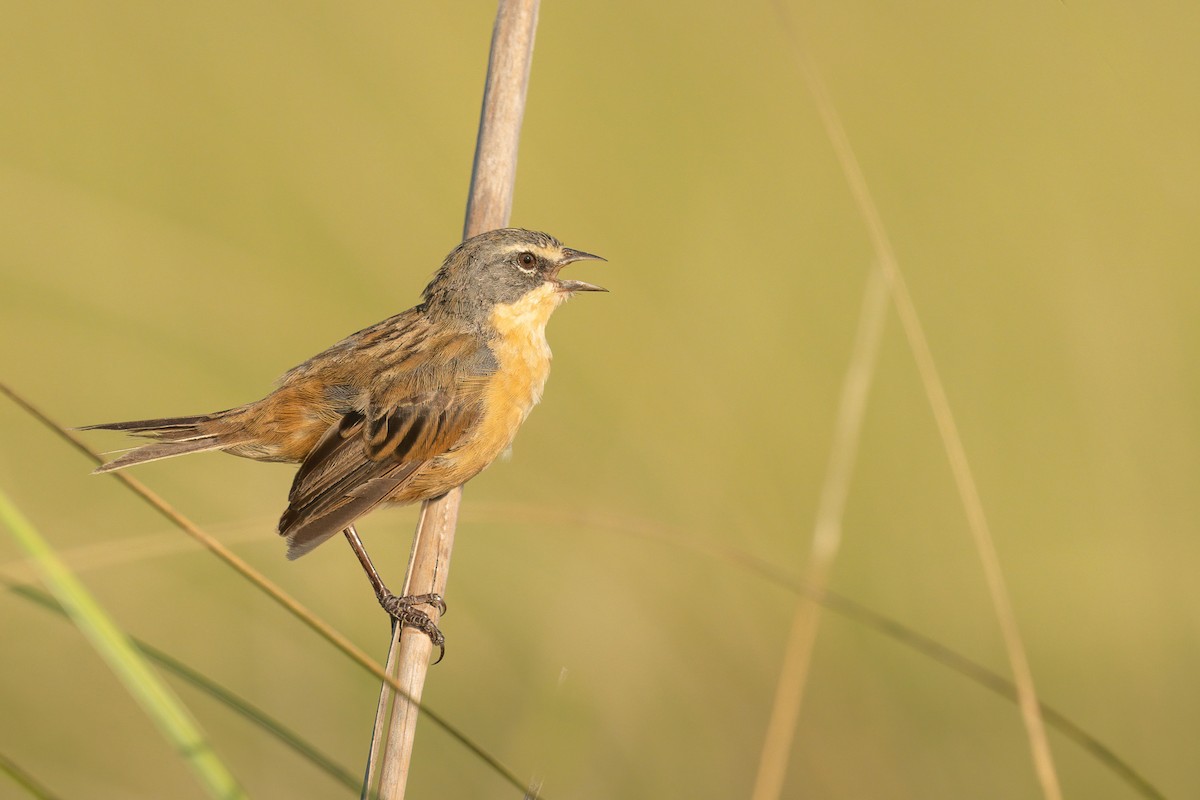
{"x":23,"y":779}
{"x":223,"y":695}
{"x":155,"y":697}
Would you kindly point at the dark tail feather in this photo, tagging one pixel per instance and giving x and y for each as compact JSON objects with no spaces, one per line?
{"x":177,"y":436}
{"x":164,"y":428}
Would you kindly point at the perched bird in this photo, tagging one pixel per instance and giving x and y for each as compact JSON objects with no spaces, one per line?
{"x":404,"y":410}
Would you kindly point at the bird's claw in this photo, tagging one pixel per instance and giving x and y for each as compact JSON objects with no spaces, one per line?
{"x":404,"y":610}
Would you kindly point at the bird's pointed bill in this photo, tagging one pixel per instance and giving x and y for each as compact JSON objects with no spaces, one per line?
{"x":579,"y":286}
{"x":570,"y":256}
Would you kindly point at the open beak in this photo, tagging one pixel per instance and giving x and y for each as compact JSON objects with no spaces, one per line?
{"x":570,"y":256}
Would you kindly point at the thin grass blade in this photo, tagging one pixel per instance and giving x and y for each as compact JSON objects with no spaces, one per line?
{"x":151,"y":693}
{"x":22,"y":778}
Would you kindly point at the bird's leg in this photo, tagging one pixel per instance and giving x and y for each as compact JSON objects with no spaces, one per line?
{"x":402,"y":609}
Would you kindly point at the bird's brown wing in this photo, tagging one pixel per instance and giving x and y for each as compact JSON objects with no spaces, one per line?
{"x":370,"y":454}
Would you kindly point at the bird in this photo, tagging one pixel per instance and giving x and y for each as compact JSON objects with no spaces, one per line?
{"x":402,"y":411}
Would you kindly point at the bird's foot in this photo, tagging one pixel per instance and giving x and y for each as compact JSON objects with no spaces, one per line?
{"x":404,"y":610}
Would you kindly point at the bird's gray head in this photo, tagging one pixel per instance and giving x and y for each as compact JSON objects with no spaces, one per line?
{"x":500,"y":268}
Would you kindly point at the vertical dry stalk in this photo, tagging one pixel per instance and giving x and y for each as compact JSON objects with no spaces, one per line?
{"x":827,"y":537}
{"x":488,"y":207}
{"x":956,"y":454}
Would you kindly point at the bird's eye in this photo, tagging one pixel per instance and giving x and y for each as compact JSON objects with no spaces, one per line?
{"x":526,"y":262}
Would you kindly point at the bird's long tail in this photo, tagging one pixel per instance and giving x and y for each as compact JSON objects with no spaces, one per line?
{"x":176,"y":436}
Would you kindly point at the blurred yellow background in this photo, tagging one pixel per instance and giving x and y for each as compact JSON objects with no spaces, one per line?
{"x":195,"y":197}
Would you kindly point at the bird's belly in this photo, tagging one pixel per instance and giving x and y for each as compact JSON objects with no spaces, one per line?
{"x":510,"y":396}
{"x":523,"y":359}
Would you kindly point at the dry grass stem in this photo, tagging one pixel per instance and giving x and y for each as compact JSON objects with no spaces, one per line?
{"x":489,"y":205}
{"x":968,"y":491}
{"x":827,"y":536}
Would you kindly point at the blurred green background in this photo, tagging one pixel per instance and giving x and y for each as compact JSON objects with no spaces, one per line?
{"x":195,"y":197}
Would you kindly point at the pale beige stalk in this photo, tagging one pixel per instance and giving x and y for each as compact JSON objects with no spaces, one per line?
{"x":488,"y":207}
{"x":827,"y":537}
{"x":778,"y":745}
